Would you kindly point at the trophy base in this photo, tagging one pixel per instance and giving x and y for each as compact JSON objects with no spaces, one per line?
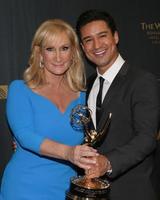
{"x":75,"y":197}
{"x":88,"y":189}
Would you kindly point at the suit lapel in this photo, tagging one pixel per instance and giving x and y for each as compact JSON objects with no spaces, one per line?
{"x":112,"y":92}
{"x":90,"y":82}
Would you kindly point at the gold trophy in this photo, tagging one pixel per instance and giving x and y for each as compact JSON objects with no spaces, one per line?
{"x":81,"y":187}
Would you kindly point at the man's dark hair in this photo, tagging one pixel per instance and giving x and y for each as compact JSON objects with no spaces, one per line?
{"x":94,"y":15}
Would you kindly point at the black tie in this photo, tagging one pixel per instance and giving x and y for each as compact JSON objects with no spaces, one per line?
{"x":99,"y":99}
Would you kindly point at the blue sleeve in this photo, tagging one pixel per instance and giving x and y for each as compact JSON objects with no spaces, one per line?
{"x":20,"y":117}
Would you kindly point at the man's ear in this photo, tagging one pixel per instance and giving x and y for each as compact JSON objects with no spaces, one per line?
{"x":116,"y":37}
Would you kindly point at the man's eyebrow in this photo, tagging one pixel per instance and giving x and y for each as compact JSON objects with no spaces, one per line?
{"x":102,"y":32}
{"x":85,"y":38}
{"x":89,"y":36}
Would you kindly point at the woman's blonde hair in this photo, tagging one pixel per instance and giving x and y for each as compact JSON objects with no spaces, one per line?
{"x":34,"y":74}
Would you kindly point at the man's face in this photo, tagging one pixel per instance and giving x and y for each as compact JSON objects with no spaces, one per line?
{"x":99,"y":44}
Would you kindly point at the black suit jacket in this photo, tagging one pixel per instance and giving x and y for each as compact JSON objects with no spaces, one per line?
{"x":129,"y":144}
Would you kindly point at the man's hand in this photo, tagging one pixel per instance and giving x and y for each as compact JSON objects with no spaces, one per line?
{"x":101,"y":167}
{"x":14,"y":146}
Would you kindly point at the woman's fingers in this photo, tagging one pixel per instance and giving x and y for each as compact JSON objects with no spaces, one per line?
{"x":86,"y":151}
{"x":83,"y":156}
{"x":86,"y":156}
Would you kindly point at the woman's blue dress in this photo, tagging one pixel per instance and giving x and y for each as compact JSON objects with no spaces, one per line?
{"x":33,"y":118}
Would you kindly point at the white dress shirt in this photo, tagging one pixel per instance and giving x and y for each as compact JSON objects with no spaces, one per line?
{"x":109,"y":76}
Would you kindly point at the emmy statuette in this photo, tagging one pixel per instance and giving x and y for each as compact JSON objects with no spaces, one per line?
{"x":81,"y":187}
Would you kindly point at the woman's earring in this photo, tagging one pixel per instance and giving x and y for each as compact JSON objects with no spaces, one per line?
{"x":41,"y":65}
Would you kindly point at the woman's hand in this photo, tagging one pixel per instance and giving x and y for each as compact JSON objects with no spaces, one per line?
{"x":82,"y":155}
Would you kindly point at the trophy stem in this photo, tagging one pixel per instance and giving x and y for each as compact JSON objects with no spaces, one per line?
{"x":83,"y":188}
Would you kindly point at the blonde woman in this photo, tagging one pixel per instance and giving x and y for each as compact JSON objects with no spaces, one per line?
{"x":38,"y":112}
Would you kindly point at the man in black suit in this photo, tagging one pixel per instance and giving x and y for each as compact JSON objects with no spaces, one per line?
{"x":131,"y":95}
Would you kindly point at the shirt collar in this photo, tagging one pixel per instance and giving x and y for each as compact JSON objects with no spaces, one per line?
{"x":110,"y":74}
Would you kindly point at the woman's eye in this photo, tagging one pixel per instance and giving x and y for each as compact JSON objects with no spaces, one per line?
{"x":49,"y":49}
{"x":65,"y":48}
{"x":52,"y":49}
